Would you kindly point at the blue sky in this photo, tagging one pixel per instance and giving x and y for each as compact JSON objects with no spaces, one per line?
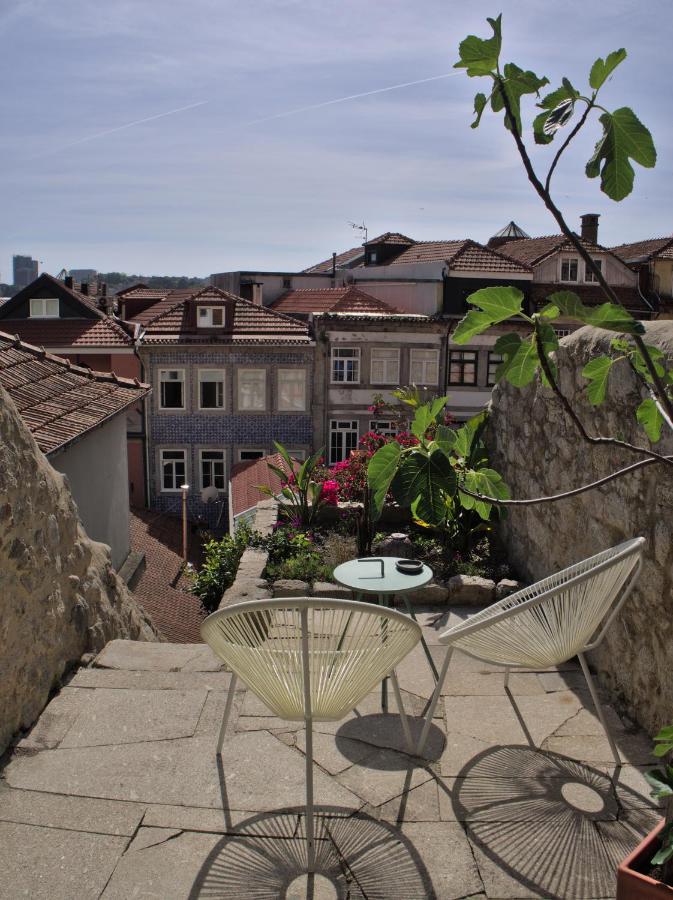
{"x":204,"y":190}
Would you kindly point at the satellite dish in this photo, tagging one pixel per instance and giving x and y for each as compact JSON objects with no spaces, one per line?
{"x":209,"y":494}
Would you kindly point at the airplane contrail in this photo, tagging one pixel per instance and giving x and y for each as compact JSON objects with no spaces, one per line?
{"x":280,"y":115}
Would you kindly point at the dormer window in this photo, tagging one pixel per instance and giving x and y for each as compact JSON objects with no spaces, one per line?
{"x":210,"y":317}
{"x":569,"y":269}
{"x":372,"y":256}
{"x":588,"y":274}
{"x":44,"y":308}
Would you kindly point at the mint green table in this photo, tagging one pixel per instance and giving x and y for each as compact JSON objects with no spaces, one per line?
{"x":377,"y":576}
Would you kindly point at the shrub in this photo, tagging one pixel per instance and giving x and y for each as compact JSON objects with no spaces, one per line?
{"x":217,"y":573}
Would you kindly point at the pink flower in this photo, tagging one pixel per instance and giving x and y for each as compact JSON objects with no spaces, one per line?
{"x":330,"y":492}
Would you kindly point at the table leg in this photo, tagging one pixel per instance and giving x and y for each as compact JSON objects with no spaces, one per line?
{"x":428,"y":655}
{"x":383,"y":601}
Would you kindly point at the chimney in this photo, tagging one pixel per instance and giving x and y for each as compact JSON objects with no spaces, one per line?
{"x":590,"y":227}
{"x":84,"y":288}
{"x":68,"y":281}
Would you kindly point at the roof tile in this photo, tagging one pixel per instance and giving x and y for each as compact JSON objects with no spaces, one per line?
{"x":348,"y":299}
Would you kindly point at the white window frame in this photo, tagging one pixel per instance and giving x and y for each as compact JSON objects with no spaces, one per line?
{"x":203,"y":450}
{"x":562,"y":332}
{"x":354,"y":358}
{"x":589,"y":276}
{"x":279,"y":378}
{"x":353,"y":428}
{"x":245,"y":370}
{"x":298,"y":453}
{"x":259,"y":450}
{"x":569,"y":260}
{"x":42,"y":304}
{"x":202,"y":378}
{"x":424,"y":364}
{"x":162,"y":451}
{"x":384,"y":427}
{"x":181,"y":380}
{"x":493,"y":360}
{"x":209,"y":310}
{"x":389,"y":359}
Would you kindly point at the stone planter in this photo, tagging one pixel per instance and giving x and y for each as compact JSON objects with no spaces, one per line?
{"x":632,"y":883}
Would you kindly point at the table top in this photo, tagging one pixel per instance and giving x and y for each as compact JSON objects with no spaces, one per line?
{"x":364,"y":576}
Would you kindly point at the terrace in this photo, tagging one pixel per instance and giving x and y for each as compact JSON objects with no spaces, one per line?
{"x":116,"y":792}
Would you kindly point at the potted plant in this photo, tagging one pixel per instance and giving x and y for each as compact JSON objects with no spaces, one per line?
{"x":647,"y":872}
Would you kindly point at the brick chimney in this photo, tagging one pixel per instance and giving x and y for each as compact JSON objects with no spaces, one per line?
{"x":68,"y":281}
{"x":590,"y":227}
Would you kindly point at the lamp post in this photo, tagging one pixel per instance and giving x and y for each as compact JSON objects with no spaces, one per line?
{"x":185,"y":490}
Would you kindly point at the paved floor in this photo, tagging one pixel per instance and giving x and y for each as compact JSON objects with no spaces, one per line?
{"x":116,"y":792}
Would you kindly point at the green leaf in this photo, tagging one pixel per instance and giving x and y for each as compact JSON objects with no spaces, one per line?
{"x":380,"y":472}
{"x":655,"y":354}
{"x":662,"y":749}
{"x":495,"y":304}
{"x":422,"y":421}
{"x":445,"y":438}
{"x":661,"y":787}
{"x":603,"y":68}
{"x":550,"y":312}
{"x":428,"y":477}
{"x":624,"y":138}
{"x":540,"y":135}
{"x":609,"y":316}
{"x":549,"y":344}
{"x":666,"y":734}
{"x":437,"y":407}
{"x":468,"y":434}
{"x":480,"y":102}
{"x":650,"y":418}
{"x":522,"y":368}
{"x":515,"y":84}
{"x":663,"y":855}
{"x":487,"y":482}
{"x":597,"y":372}
{"x":479,"y":56}
{"x":507,"y":346}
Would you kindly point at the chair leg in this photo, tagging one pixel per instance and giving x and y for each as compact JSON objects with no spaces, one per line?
{"x":403,"y":715}
{"x":599,"y":708}
{"x":506,"y":678}
{"x":227,"y":712}
{"x":310,"y":828}
{"x":433,"y":702}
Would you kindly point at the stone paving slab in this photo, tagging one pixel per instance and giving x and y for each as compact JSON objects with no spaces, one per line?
{"x":124,"y":679}
{"x":71,"y":813}
{"x":129,"y":717}
{"x":148,"y":657}
{"x":419,"y":804}
{"x":447,"y":856}
{"x":55,"y":864}
{"x":194,"y":818}
{"x":56,"y":720}
{"x":383,"y":776}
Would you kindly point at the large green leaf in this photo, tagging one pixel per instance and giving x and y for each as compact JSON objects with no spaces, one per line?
{"x":479,"y":56}
{"x":480,"y":102}
{"x":603,"y":68}
{"x":445,"y":438}
{"x":608,"y":315}
{"x":380,"y":472}
{"x":507,"y":346}
{"x":524,"y":363}
{"x":597,"y":372}
{"x":495,"y":304}
{"x":552,"y":106}
{"x":487,"y":482}
{"x":515,"y":85}
{"x":421,"y":421}
{"x":650,"y":418}
{"x":656,"y":356}
{"x":468,"y":434}
{"x":624,"y":138}
{"x":429,"y":477}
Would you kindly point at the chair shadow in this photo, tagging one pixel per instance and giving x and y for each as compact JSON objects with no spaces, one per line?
{"x":357,"y":855}
{"x":557,"y":826}
{"x":383,"y":731}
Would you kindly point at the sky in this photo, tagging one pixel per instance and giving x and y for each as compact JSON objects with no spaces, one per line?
{"x":157,"y":137}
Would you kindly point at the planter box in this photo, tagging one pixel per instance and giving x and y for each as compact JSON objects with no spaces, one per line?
{"x":632,"y":884}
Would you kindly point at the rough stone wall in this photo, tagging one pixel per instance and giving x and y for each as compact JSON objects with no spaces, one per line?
{"x":59,"y":595}
{"x":539,"y":452}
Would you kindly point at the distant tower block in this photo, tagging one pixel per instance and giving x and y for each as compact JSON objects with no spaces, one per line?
{"x":25,"y":270}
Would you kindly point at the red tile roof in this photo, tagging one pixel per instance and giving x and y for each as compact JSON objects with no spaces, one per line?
{"x":461,"y":256}
{"x":101,"y":333}
{"x":590,"y":294}
{"x":392,"y":237}
{"x":532,"y":251}
{"x":245,"y":478}
{"x":176,"y":613}
{"x":342,"y":260}
{"x":348,"y":299}
{"x":58,"y":401}
{"x":661,"y":248}
{"x":167,"y":321}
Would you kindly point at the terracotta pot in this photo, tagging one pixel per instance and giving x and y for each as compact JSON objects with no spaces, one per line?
{"x":631,"y":883}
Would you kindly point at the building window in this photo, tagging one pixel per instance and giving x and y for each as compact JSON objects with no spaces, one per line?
{"x":252,"y":390}
{"x":562,"y":332}
{"x":384,"y":427}
{"x":424,"y":367}
{"x":245,"y":455}
{"x":43,"y":308}
{"x":287,"y":283}
{"x":210,"y":316}
{"x":462,"y":367}
{"x":172,"y":393}
{"x":292,"y":390}
{"x":173,"y":469}
{"x":211,"y":389}
{"x":343,"y":439}
{"x":296,"y":454}
{"x":569,"y":269}
{"x":588,"y":274}
{"x":212,"y":469}
{"x":346,"y":365}
{"x":385,"y":366}
{"x":494,"y":360}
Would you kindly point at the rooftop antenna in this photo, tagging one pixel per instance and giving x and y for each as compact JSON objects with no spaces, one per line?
{"x":362,"y":228}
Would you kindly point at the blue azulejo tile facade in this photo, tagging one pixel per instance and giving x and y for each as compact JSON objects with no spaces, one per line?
{"x":183,"y":439}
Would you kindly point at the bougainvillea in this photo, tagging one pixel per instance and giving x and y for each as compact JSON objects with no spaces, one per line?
{"x":347,"y":479}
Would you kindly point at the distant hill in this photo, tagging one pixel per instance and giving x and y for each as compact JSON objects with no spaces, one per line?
{"x":116,"y":281}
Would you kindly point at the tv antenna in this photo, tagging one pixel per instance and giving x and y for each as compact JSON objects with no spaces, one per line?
{"x":362,"y":228}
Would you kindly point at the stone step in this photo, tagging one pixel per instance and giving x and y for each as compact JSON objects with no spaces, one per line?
{"x":140,"y":656}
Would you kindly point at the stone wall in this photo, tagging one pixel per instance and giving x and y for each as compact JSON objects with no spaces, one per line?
{"x":59,"y":595}
{"x":249,"y":584}
{"x":539,"y":452}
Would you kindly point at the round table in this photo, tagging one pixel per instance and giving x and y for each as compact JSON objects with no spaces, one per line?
{"x":378,"y":577}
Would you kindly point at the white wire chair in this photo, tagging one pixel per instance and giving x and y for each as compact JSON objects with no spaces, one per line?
{"x":549,"y":622}
{"x":310,"y":659}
